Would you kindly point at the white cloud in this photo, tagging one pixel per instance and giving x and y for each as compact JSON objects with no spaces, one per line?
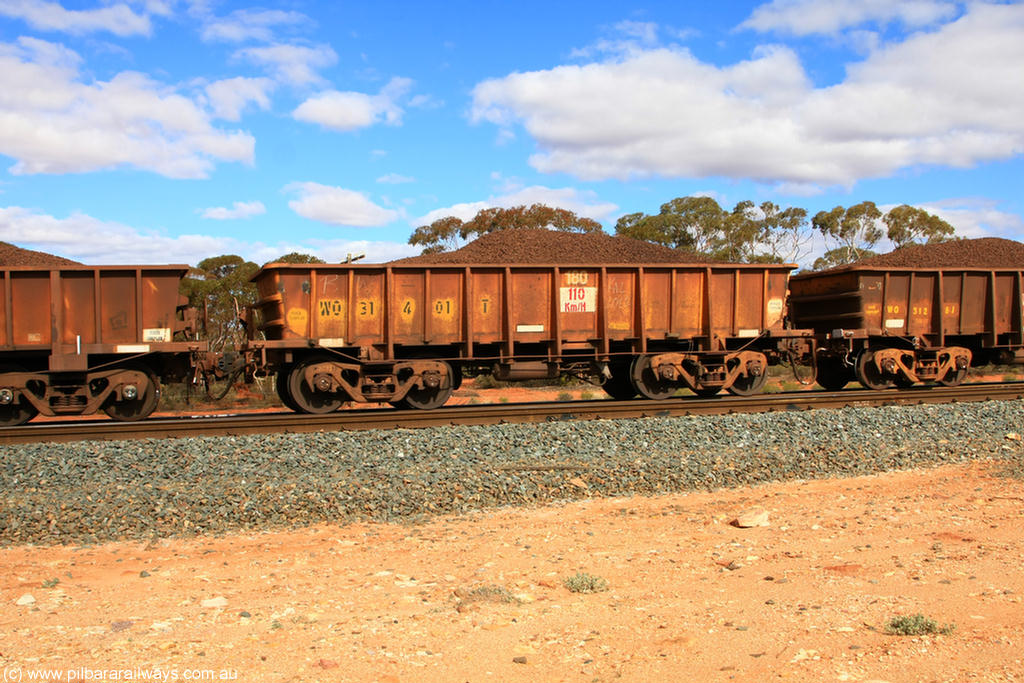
{"x":291,"y":64}
{"x":464,"y":211}
{"x":230,"y":96}
{"x":805,"y":17}
{"x":395,"y":179}
{"x":977,"y":217}
{"x":336,"y":251}
{"x":160,"y":8}
{"x":346,"y":111}
{"x":338,"y":206}
{"x":94,"y":241}
{"x":248,"y":24}
{"x":627,"y":37}
{"x":582,"y":203}
{"x":238,"y":210}
{"x":52,"y":121}
{"x":937,"y":98}
{"x":425,"y":102}
{"x":91,"y":240}
{"x":118,"y":19}
{"x":645,"y":32}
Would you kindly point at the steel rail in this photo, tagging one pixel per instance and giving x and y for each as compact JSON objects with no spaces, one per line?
{"x":387,"y":418}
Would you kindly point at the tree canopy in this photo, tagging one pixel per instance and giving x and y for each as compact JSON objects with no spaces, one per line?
{"x":911,"y":225}
{"x":748,"y":233}
{"x":446,"y":233}
{"x":850,"y":233}
{"x":221,"y":284}
{"x":853,"y":233}
{"x":298,"y":257}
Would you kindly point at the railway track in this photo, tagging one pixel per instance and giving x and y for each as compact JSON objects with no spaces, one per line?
{"x":387,"y":418}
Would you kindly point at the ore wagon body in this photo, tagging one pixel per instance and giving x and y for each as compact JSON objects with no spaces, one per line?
{"x":407,"y":334}
{"x":76,"y":339}
{"x":897,"y":326}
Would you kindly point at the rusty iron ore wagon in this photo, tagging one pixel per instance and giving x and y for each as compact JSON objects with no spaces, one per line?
{"x":406,"y":335}
{"x":898,"y":326}
{"x":78,"y":339}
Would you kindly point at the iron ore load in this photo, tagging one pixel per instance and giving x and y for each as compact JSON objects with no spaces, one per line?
{"x":406,"y":333}
{"x":78,"y":339}
{"x":923,"y":313}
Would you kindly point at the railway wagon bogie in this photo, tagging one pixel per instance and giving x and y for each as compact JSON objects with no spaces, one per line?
{"x":407,"y":334}
{"x":903,"y":326}
{"x":75,"y":340}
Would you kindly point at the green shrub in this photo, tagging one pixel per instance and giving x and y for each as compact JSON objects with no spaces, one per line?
{"x":487,"y":593}
{"x":581,"y":582}
{"x":916,"y":625}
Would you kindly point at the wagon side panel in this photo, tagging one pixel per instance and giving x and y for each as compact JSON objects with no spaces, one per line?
{"x":721,"y":305}
{"x":688,"y":302}
{"x":5,"y":337}
{"x":656,"y":302}
{"x":975,"y":301}
{"x":31,"y":309}
{"x":78,"y":301}
{"x":1004,"y":302}
{"x":530,"y":304}
{"x":159,"y":299}
{"x":330,"y":309}
{"x":367,"y":304}
{"x":578,"y":296}
{"x":486,"y":305}
{"x":750,"y":304}
{"x":777,"y":284}
{"x":445,"y":306}
{"x":408,"y":307}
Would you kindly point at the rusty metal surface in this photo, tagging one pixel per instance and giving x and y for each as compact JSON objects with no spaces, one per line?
{"x":382,"y":418}
{"x":78,"y":310}
{"x":927,"y":303}
{"x":560,"y":307}
{"x":72,"y":339}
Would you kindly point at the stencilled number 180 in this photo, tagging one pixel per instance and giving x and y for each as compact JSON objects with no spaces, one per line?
{"x":577,"y":277}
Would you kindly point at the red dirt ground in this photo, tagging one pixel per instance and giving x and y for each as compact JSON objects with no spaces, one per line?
{"x":690,"y":597}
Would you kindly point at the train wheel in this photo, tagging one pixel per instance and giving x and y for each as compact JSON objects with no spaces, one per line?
{"x":18,"y":411}
{"x":428,"y":398}
{"x":833,"y":374}
{"x":619,"y":386}
{"x":281,"y":385}
{"x":144,"y":403}
{"x":647,"y":383}
{"x":954,"y":377}
{"x":869,"y":375}
{"x":748,"y":385}
{"x":305,"y":398}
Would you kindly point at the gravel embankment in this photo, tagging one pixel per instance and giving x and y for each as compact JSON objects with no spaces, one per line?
{"x":96,"y":491}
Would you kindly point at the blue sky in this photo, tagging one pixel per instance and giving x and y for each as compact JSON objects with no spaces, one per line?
{"x":160,"y":131}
